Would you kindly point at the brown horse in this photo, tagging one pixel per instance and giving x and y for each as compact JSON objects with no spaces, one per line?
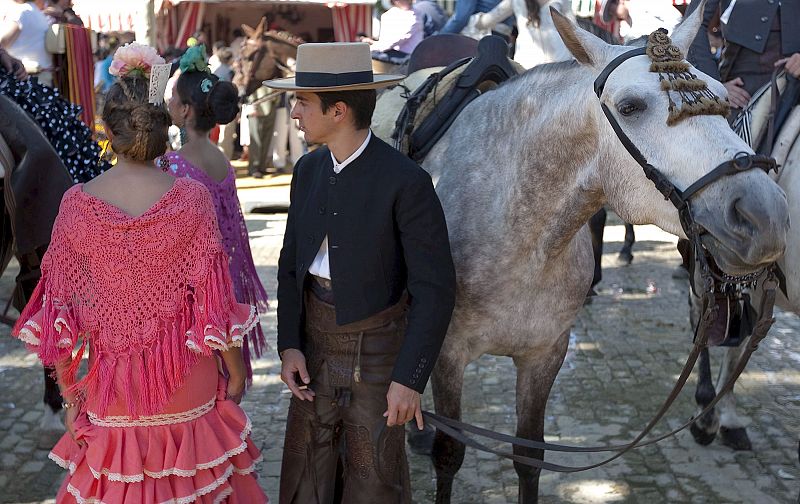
{"x":265,"y":55}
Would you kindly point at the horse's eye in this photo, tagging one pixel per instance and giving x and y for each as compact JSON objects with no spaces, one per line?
{"x":630,"y":107}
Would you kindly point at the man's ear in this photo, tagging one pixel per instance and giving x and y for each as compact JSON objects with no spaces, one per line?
{"x":340,"y":111}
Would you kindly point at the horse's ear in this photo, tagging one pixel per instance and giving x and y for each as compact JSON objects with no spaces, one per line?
{"x":261,"y":28}
{"x":684,"y":34}
{"x":249,"y":31}
{"x":587,"y":48}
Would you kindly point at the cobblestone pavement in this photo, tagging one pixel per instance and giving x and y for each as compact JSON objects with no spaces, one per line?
{"x":626,"y":351}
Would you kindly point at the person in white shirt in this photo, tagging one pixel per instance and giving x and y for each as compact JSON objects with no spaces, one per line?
{"x":23,"y":34}
{"x":538,"y":40}
{"x":639,"y":18}
{"x":401,"y":31}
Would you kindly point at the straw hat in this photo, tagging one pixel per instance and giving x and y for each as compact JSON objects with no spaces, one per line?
{"x":336,"y":66}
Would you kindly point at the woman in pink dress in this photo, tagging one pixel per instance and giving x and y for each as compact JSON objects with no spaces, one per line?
{"x":136,"y":272}
{"x":199,"y":102}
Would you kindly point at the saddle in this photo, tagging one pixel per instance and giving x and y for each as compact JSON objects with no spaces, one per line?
{"x":431,"y":108}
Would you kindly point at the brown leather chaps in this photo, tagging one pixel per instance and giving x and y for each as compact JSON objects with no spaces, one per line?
{"x":338,"y":448}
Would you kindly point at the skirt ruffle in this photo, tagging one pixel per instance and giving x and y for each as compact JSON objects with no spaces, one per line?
{"x":209,"y":459}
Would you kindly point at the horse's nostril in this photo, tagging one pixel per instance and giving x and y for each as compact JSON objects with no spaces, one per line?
{"x":746,"y":217}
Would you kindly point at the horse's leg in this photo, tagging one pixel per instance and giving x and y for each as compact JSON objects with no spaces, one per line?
{"x":626,"y":254}
{"x":536,"y":373}
{"x":704,"y":429}
{"x":52,"y":403}
{"x":448,"y":454}
{"x":732,"y":431}
{"x":597,"y":225}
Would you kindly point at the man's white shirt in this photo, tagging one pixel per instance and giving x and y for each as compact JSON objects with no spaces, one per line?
{"x":321,"y":265}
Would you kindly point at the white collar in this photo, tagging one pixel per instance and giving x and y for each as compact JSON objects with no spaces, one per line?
{"x":338,"y":167}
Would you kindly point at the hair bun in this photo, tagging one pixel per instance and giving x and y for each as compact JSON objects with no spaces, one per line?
{"x":223,"y":100}
{"x":142,"y":118}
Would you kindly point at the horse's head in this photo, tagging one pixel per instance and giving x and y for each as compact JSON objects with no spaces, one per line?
{"x":264,"y":55}
{"x":677,"y":125}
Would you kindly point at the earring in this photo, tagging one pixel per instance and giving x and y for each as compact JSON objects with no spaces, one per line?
{"x":163,"y":163}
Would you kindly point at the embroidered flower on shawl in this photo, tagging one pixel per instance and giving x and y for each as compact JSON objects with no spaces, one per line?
{"x":134,"y":60}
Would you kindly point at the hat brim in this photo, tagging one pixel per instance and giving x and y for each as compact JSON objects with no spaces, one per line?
{"x":378,"y":81}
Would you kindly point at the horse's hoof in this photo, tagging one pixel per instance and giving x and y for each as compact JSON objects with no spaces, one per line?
{"x":51,"y":421}
{"x":625,"y":257}
{"x":701,"y":436}
{"x":736,"y":438}
{"x":589,"y":296}
{"x":421,"y":442}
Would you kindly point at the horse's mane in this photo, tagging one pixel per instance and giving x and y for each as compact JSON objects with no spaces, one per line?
{"x":542,"y":71}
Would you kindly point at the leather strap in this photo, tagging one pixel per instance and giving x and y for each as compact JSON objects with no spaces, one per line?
{"x":455,"y":429}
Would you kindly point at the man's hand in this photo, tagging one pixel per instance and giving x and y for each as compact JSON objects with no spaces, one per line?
{"x":737,"y":95}
{"x":294,"y":363}
{"x":792,"y":65}
{"x":13,"y":65}
{"x":403,"y":405}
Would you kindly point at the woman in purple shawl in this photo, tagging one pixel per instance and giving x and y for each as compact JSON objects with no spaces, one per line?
{"x":199,"y":102}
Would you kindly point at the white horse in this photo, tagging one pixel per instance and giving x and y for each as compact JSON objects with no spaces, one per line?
{"x":724,"y":418}
{"x":519,"y":173}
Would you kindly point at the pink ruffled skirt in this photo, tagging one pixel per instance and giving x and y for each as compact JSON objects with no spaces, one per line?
{"x":198,"y":450}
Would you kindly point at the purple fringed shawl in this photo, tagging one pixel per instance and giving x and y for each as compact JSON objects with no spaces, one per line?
{"x":246,"y":284}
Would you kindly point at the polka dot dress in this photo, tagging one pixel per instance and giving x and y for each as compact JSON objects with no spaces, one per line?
{"x":60,"y":122}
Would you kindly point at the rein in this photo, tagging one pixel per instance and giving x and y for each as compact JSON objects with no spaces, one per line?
{"x":713,"y":282}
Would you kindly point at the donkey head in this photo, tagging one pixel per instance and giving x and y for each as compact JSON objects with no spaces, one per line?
{"x":265,"y":55}
{"x":745,"y":214}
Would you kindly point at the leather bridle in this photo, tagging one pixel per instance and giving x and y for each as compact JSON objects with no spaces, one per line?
{"x":716,"y":284}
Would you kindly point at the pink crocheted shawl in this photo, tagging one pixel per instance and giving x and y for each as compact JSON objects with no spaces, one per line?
{"x":246,"y":284}
{"x":149,"y":294}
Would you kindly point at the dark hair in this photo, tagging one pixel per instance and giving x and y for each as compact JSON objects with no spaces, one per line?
{"x":218,"y":45}
{"x":237,"y":32}
{"x":214,"y":102}
{"x":139,"y":129}
{"x":361,"y":102}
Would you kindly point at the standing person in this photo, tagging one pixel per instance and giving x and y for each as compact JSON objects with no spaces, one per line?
{"x":467,"y":8}
{"x":433,"y":17}
{"x":200,"y":101}
{"x":136,"y":271}
{"x":23,"y":36}
{"x":401,"y":32}
{"x":366,"y":288}
{"x":757,"y":37}
{"x":538,"y":40}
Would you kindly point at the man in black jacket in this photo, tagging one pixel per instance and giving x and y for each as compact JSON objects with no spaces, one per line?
{"x":758,"y":34}
{"x":365,"y":289}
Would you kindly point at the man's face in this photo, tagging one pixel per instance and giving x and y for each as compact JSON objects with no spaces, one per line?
{"x":313,"y":123}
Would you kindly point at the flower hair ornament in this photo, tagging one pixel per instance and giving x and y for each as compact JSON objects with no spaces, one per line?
{"x":136,"y":60}
{"x":195,"y":59}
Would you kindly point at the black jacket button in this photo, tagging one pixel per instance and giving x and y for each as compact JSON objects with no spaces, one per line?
{"x":332,"y":180}
{"x":322,"y":210}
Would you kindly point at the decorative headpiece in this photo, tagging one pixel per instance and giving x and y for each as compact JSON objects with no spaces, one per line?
{"x":136,"y":60}
{"x":675,"y":77}
{"x":195,"y":59}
